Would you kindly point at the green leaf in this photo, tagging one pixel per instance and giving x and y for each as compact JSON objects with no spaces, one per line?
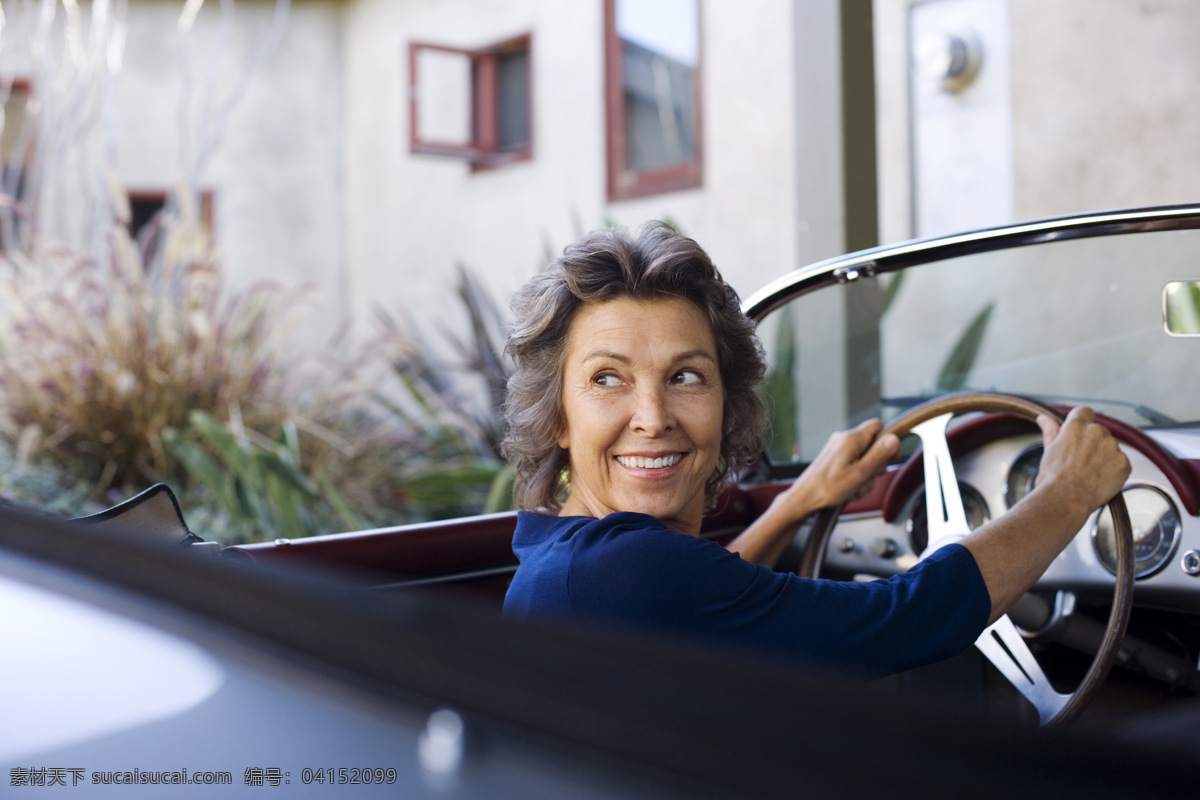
{"x":283,"y":469}
{"x":778,"y":391}
{"x":450,"y":485}
{"x":248,"y":502}
{"x":500,"y":495}
{"x":957,"y":369}
{"x":289,"y":443}
{"x":353,"y":520}
{"x":891,"y":290}
{"x":235,"y":454}
{"x":201,"y":468}
{"x":284,"y":514}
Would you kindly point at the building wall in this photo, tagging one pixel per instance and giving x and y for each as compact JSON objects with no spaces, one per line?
{"x":1106,"y":102}
{"x":410,"y":219}
{"x":275,"y":172}
{"x":314,"y":183}
{"x":1102,"y":96}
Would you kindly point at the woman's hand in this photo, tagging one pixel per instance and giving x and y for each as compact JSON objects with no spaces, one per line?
{"x":1081,"y":460}
{"x":845,"y":469}
{"x":1082,"y":469}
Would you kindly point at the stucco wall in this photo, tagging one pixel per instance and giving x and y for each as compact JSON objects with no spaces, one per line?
{"x":411,"y":218}
{"x":314,"y":182}
{"x":1103,"y":96}
{"x":1105,"y":101}
{"x":275,"y":173}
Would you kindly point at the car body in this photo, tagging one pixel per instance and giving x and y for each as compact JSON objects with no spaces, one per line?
{"x":382,"y":654}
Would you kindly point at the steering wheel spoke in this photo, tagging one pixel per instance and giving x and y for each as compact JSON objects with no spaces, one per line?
{"x":1003,"y":645}
{"x":947,"y":519}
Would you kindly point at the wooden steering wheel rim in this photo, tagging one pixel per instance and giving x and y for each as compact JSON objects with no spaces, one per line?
{"x":1024,"y":408}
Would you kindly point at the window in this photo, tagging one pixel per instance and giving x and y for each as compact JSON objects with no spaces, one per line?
{"x":472,"y":104}
{"x":652,"y":95}
{"x":15,"y":128}
{"x":16,"y":151}
{"x":144,"y":208}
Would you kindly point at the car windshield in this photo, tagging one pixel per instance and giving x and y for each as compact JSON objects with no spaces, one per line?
{"x":1070,"y":321}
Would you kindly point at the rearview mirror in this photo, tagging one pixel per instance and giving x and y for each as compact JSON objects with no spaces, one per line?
{"x":1181,"y":308}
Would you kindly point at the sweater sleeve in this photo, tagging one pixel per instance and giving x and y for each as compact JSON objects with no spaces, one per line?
{"x":659,"y":578}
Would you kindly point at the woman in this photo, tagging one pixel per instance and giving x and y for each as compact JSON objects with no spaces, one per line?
{"x":633,"y":406}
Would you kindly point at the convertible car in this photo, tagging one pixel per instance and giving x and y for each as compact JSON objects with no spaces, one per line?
{"x":376,"y":662}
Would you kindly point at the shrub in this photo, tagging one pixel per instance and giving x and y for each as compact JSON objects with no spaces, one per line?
{"x":458,"y":403}
{"x":98,"y":357}
{"x":119,"y":374}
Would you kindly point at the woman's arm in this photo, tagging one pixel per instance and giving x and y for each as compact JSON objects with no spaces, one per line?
{"x":846,"y":467}
{"x":1081,"y":470}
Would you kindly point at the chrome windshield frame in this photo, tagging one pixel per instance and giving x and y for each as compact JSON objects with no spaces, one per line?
{"x":891,"y":258}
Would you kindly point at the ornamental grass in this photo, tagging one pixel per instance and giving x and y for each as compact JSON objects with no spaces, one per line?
{"x":99,"y":357}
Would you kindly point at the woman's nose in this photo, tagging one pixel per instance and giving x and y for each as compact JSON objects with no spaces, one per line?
{"x":651,"y":415}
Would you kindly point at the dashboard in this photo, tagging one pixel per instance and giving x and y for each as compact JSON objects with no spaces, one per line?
{"x":995,"y":475}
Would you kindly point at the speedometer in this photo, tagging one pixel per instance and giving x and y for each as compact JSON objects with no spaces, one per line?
{"x":974,"y":506}
{"x":1022,"y":475}
{"x":1156,"y":530}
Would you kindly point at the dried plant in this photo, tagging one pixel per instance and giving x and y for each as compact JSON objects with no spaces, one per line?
{"x":97,"y":357}
{"x":122,"y":374}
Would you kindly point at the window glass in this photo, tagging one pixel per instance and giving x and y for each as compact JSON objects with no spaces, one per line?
{"x":652,"y":95}
{"x":443,"y":90}
{"x":16,"y":144}
{"x":512,"y":100}
{"x":1069,"y":322}
{"x":14,"y":135}
{"x":659,"y":55}
{"x":143,"y":209}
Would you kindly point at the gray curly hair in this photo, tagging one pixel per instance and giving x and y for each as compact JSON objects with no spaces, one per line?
{"x":655,"y":261}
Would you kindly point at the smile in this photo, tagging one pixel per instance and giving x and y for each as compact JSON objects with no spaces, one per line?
{"x":649,"y":463}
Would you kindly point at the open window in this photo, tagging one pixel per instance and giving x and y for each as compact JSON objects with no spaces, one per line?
{"x":472,"y":104}
{"x":652,"y":96}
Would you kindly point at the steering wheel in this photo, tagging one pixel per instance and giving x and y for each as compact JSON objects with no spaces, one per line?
{"x":1001,"y":642}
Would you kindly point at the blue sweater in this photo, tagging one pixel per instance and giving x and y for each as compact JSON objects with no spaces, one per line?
{"x":630,"y":568}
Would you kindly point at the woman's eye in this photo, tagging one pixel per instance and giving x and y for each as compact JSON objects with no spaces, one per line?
{"x":606,"y":380}
{"x":686,"y":376}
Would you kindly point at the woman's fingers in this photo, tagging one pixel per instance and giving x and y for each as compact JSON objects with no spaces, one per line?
{"x":1049,"y":428}
{"x":848,"y":464}
{"x":1082,"y":458}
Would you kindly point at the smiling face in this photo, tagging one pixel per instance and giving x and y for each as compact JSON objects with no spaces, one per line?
{"x":642,"y":399}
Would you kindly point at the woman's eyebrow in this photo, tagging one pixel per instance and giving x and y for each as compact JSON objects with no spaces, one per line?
{"x":690,"y":354}
{"x":608,"y":355}
{"x":601,"y":353}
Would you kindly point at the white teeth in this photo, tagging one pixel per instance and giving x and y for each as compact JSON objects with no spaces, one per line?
{"x":650,"y":463}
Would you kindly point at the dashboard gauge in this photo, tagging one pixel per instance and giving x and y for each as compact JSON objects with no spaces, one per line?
{"x":1156,"y":530}
{"x":1022,"y":474}
{"x":974,"y":506}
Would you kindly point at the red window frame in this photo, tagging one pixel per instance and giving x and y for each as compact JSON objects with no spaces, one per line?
{"x":483,"y":150}
{"x":21,"y":161}
{"x":24,"y":85}
{"x":624,"y":182}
